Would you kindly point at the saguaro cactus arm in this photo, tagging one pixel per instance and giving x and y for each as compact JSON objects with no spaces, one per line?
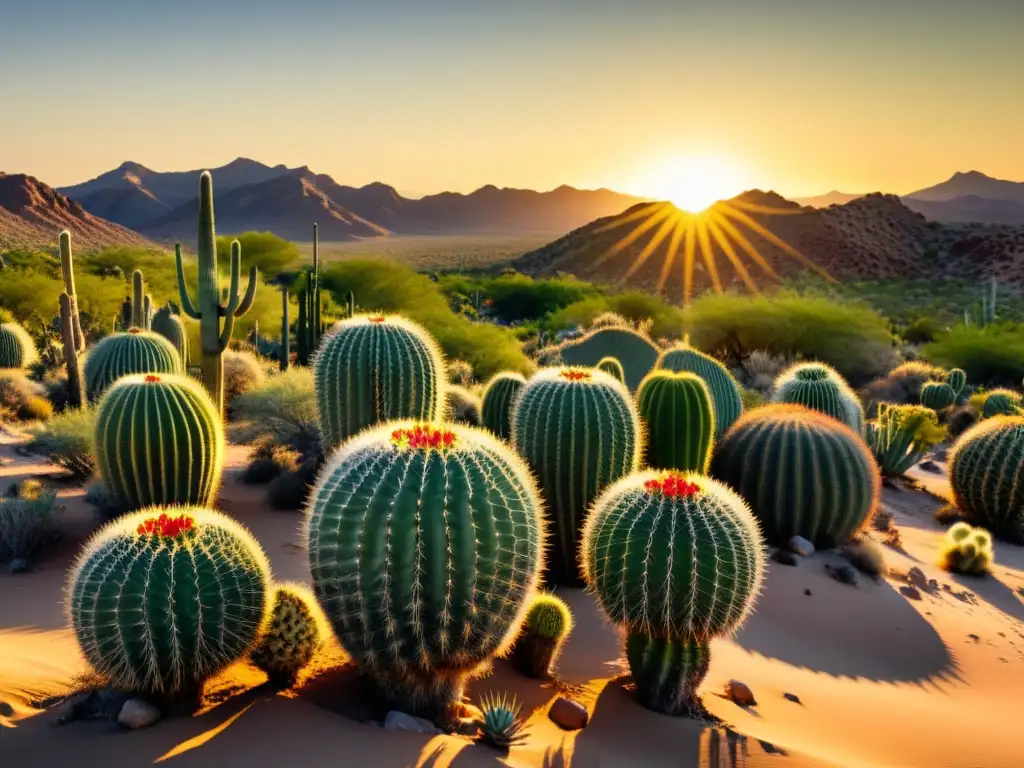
{"x":186,"y":301}
{"x":68,"y":273}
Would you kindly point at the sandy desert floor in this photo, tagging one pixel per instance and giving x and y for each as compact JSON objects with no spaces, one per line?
{"x":884,"y":677}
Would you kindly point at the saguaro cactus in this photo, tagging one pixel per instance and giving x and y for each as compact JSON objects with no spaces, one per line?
{"x":67,"y":270}
{"x":425,"y":543}
{"x":214,"y":336}
{"x":725,"y":393}
{"x":76,"y":388}
{"x":579,"y":432}
{"x":679,"y":420}
{"x":675,"y":559}
{"x":138,"y":300}
{"x":986,"y":478}
{"x":497,"y":401}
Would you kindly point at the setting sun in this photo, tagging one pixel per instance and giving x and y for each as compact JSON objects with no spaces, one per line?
{"x":693,"y":182}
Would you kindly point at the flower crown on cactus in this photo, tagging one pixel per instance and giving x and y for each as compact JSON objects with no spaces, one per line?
{"x":423,"y":436}
{"x":574,"y":374}
{"x":377,"y":319}
{"x":133,"y":331}
{"x":672,"y":484}
{"x":166,"y":526}
{"x":151,"y":378}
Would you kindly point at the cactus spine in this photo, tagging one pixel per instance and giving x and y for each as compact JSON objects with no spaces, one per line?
{"x":675,"y":559}
{"x":293,"y":634}
{"x":937,"y":396}
{"x":613,"y":368}
{"x":820,"y":387}
{"x":76,"y":388}
{"x":725,"y":392}
{"x":159,"y":440}
{"x":17,"y":350}
{"x":803,"y":474}
{"x":546,"y":627}
{"x":171,"y":327}
{"x":373,"y":368}
{"x":214,"y":337}
{"x":121,"y":354}
{"x":163,"y":599}
{"x":424,"y":546}
{"x":679,"y":420}
{"x":986,"y":478}
{"x":67,"y":271}
{"x":498,"y":400}
{"x":579,"y":432}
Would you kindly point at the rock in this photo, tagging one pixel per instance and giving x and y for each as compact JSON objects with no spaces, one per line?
{"x":916,"y":577}
{"x":784,"y":557}
{"x":800,"y":546}
{"x":138,"y":713}
{"x":400,"y":721}
{"x":739,"y":693}
{"x":20,"y":565}
{"x":930,"y":466}
{"x":791,"y":697}
{"x":568,"y":715}
{"x":844,"y":574}
{"x":807,"y":592}
{"x":101,"y":704}
{"x":911,"y":593}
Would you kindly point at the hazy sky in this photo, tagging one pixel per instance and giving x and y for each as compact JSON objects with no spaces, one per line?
{"x":802,"y":96}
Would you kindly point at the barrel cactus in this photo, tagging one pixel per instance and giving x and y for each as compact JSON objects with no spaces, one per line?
{"x":937,"y":396}
{"x":579,"y":432}
{"x":292,"y":636}
{"x":462,"y":406}
{"x":821,"y":388}
{"x":1000,"y":402}
{"x":17,"y":350}
{"x":172,"y":328}
{"x":612,"y":367}
{"x":375,"y":368}
{"x":499,"y":396}
{"x":803,"y":474}
{"x":162,"y":599}
{"x":725,"y":392}
{"x":546,"y":627}
{"x":984,"y":473}
{"x":635,"y":352}
{"x":967,"y":550}
{"x":679,"y":420}
{"x":675,"y":559}
{"x":159,"y":440}
{"x":121,"y":354}
{"x":425,"y":545}
{"x":957,"y":380}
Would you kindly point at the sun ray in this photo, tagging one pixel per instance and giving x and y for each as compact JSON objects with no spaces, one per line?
{"x":667,"y":226}
{"x":707,"y":253}
{"x":776,"y":240}
{"x":633,"y":236}
{"x":673,"y":251}
{"x":731,"y":255}
{"x":688,"y":259}
{"x":746,"y":245}
{"x":758,"y":208}
{"x":651,"y":209}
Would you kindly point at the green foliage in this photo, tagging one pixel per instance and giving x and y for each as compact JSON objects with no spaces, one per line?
{"x":820,"y":387}
{"x":242,"y":372}
{"x":502,"y":727}
{"x":634,"y":351}
{"x":282,"y":408}
{"x":159,"y":440}
{"x":436,"y":534}
{"x":16,"y":393}
{"x":163,"y":599}
{"x":937,"y":395}
{"x":803,"y":474}
{"x":993,"y":355}
{"x":29,"y":522}
{"x":679,"y":420}
{"x":498,"y":400}
{"x":724,"y":391}
{"x":984,"y":473}
{"x":901,"y":435}
{"x":921,"y":331}
{"x":546,"y":627}
{"x":612,"y":367}
{"x":579,"y":431}
{"x":967,"y":550}
{"x":66,"y":440}
{"x":292,"y":636}
{"x":269,"y":253}
{"x":515,"y":297}
{"x":675,"y":559}
{"x":124,"y":354}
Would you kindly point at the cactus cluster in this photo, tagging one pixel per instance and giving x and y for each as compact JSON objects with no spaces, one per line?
{"x":901,"y":435}
{"x":17,"y":350}
{"x":679,"y":420}
{"x":612,"y":367}
{"x":675,"y":559}
{"x":498,"y":400}
{"x":546,"y":627}
{"x":123,"y":354}
{"x":162,"y":599}
{"x":293,"y":633}
{"x":957,"y":381}
{"x":803,"y":474}
{"x":425,"y":543}
{"x":821,"y":388}
{"x":967,"y":550}
{"x":725,"y":392}
{"x":634,"y":351}
{"x":937,"y":395}
{"x":308,"y":326}
{"x":579,"y":431}
{"x":376,"y":368}
{"x":168,"y":324}
{"x":158,"y":441}
{"x":986,"y":478}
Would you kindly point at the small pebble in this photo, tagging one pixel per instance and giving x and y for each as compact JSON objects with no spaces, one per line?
{"x":800,"y":546}
{"x":791,"y":697}
{"x":740,"y":693}
{"x":911,"y":593}
{"x":568,"y":715}
{"x":137,"y":713}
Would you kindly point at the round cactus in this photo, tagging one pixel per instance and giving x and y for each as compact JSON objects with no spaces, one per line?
{"x":612,"y":367}
{"x":122,"y":354}
{"x":967,"y":550}
{"x":547,"y":624}
{"x":164,"y":598}
{"x":984,"y":473}
{"x":375,"y":368}
{"x":424,"y":544}
{"x":725,"y":392}
{"x":675,"y":559}
{"x":1000,"y":402}
{"x":499,"y":396}
{"x":172,"y":328}
{"x":635,"y":352}
{"x":679,"y":420}
{"x":820,"y":387}
{"x":17,"y":350}
{"x":579,"y":432}
{"x":293,"y":634}
{"x":461,"y":406}
{"x":159,"y":440}
{"x":937,"y":396}
{"x":957,"y":380}
{"x":803,"y":474}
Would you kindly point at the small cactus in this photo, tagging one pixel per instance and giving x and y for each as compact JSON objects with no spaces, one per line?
{"x":901,"y":435}
{"x":546,"y":627}
{"x":498,"y":400}
{"x":984,"y":473}
{"x":162,"y":599}
{"x":122,"y":354}
{"x":967,"y":550}
{"x":612,"y":367}
{"x":17,"y":350}
{"x":462,"y":406}
{"x":821,"y":388}
{"x":957,"y":380}
{"x":502,"y":727}
{"x":937,"y":396}
{"x":293,"y":634}
{"x":171,"y":327}
{"x":1000,"y":402}
{"x":725,"y":392}
{"x":679,"y":420}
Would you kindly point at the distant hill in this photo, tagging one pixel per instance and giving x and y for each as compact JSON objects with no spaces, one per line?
{"x":156,"y":203}
{"x":972,"y":184}
{"x":32,"y":214}
{"x":829,"y":198}
{"x":872,"y":237}
{"x":969,"y":208}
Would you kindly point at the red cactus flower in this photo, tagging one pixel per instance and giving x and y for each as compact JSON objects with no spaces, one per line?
{"x":150,"y":378}
{"x":423,"y":436}
{"x":133,"y":331}
{"x":575,"y":375}
{"x":165,"y":526}
{"x":672,"y":485}
{"x":378,"y":319}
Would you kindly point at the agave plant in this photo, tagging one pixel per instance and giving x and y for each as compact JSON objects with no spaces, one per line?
{"x":502,"y":726}
{"x":901,"y":435}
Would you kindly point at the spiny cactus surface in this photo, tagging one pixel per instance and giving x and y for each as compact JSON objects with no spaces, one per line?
{"x":612,"y":367}
{"x":293,"y":634}
{"x":634,"y":351}
{"x":957,"y":380}
{"x":462,"y":406}
{"x":985,"y":473}
{"x":502,"y":727}
{"x":498,"y":399}
{"x":546,"y":627}
{"x":725,"y":392}
{"x":679,"y":420}
{"x":967,"y":550}
{"x":820,"y":387}
{"x":123,"y":354}
{"x":937,"y":395}
{"x":17,"y":350}
{"x":172,"y":328}
{"x":1000,"y":402}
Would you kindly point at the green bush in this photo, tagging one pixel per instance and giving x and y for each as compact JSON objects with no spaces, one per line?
{"x":852,"y":338}
{"x":66,"y":440}
{"x":515,"y":297}
{"x":991,"y":356}
{"x":29,"y":522}
{"x":283,"y":408}
{"x":268,"y":252}
{"x":921,"y":331}
{"x":16,"y":394}
{"x":242,"y":372}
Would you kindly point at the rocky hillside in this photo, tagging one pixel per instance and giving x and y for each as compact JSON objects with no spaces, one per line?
{"x":872,"y":237}
{"x":32,"y":215}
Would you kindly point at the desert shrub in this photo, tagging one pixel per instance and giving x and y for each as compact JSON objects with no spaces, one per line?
{"x":852,"y":338}
{"x":516,"y":297}
{"x":967,"y":550}
{"x":29,"y":522}
{"x":960,"y":418}
{"x":264,"y":250}
{"x":268,"y":460}
{"x":36,"y":408}
{"x":242,"y":372}
{"x":291,"y":490}
{"x":992,"y":355}
{"x":760,"y":370}
{"x":16,"y":392}
{"x":282,"y":407}
{"x":921,"y":331}
{"x":460,"y":373}
{"x":866,"y":555}
{"x":751,"y":398}
{"x":902,"y":385}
